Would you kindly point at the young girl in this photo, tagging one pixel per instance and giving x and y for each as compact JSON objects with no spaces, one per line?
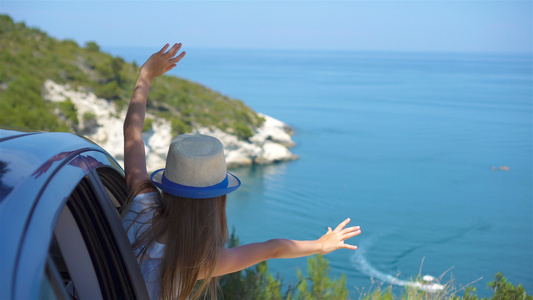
{"x":176,"y":219}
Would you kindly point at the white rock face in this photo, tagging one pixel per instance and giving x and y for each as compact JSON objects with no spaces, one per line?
{"x":261,"y":149}
{"x":273,"y":130}
{"x":269,"y":144}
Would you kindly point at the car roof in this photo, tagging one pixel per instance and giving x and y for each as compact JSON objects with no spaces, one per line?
{"x":9,"y":133}
{"x":23,"y":155}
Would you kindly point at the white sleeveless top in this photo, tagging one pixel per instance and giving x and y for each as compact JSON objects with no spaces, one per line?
{"x":152,"y":259}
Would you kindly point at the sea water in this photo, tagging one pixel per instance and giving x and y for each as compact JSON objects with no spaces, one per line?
{"x":430,"y":153}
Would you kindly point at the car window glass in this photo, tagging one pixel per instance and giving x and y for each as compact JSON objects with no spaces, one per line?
{"x":46,"y":291}
{"x":52,"y":286}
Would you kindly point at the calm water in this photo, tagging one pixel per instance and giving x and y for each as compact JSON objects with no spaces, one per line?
{"x":404,"y":144}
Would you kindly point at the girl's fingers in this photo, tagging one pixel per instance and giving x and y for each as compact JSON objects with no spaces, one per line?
{"x":350,"y":229}
{"x":171,"y":67}
{"x":164,"y":48}
{"x":348,"y":246}
{"x":174,"y":49}
{"x":178,"y":58}
{"x":341,"y":225}
{"x":351,"y":234}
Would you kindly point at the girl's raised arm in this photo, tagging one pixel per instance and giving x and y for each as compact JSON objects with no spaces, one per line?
{"x":238,"y":258}
{"x":134,"y":155}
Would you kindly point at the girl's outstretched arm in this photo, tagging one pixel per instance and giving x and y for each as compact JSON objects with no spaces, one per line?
{"x":134,"y":155}
{"x":238,"y":258}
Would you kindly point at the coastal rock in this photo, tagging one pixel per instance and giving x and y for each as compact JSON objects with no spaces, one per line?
{"x":275,"y":131}
{"x":260,"y":149}
{"x":269,"y":143}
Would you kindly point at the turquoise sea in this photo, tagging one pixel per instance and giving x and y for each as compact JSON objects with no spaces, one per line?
{"x":430,"y":153}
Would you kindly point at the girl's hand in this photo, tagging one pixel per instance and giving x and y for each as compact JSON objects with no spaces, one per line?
{"x":334,"y":239}
{"x":161,"y":62}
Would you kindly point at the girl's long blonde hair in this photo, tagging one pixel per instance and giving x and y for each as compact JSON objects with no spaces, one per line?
{"x":195,"y":229}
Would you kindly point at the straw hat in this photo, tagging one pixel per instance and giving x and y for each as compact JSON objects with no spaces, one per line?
{"x":195,"y":168}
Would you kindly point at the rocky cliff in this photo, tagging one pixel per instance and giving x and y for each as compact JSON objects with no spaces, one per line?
{"x":101,"y":121}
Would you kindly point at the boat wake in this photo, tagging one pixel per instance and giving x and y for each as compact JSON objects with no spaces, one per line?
{"x":427,"y":283}
{"x":361,"y":263}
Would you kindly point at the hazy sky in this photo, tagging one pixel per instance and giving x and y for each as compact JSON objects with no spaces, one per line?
{"x":480,"y":26}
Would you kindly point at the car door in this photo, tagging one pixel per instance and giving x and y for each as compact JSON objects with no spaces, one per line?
{"x":74,"y":243}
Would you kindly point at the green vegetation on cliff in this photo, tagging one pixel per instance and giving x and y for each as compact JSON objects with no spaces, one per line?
{"x":29,"y":57}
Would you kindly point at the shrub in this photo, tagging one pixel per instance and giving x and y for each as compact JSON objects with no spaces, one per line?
{"x":243,"y":131}
{"x":504,"y":290}
{"x":108,"y":90}
{"x":318,"y":284}
{"x":148,"y":123}
{"x":92,"y":46}
{"x":178,"y":127}
{"x":89,"y":119}
{"x":21,"y":105}
{"x":68,"y":108}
